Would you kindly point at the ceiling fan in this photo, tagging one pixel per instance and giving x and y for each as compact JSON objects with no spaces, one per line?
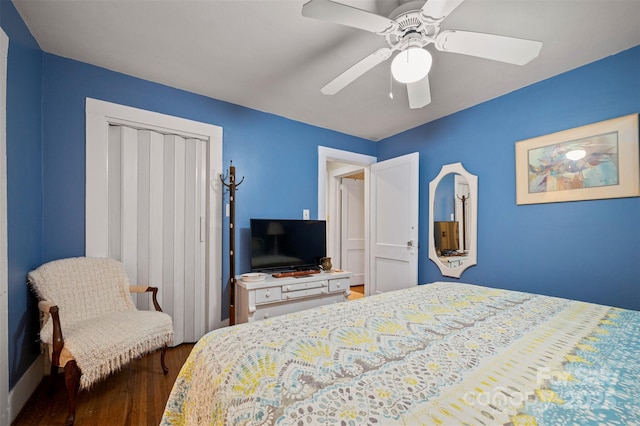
{"x":409,"y":29}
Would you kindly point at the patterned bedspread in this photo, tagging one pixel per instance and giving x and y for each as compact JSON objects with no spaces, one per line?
{"x":443,"y":353}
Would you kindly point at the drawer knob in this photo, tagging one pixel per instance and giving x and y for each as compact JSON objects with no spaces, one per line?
{"x":267,"y":293}
{"x":266,"y":315}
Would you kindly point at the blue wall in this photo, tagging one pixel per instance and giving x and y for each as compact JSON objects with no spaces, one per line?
{"x":278,"y":157}
{"x":587,"y":250}
{"x":24,"y":186}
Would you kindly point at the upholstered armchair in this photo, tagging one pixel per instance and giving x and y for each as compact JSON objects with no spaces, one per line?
{"x":90,"y":325}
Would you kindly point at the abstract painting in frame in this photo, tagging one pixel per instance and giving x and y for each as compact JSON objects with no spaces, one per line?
{"x":590,"y":162}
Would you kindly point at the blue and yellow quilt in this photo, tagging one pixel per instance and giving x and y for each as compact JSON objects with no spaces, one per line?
{"x":443,"y":353}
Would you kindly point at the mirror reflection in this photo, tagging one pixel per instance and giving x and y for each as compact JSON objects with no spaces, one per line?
{"x":450,"y":216}
{"x":453,"y":220}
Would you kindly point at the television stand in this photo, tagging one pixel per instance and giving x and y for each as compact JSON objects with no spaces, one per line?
{"x":279,"y":296}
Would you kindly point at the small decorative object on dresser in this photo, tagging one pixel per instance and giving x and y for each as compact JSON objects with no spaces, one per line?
{"x":256,"y":300}
{"x":326,"y":264}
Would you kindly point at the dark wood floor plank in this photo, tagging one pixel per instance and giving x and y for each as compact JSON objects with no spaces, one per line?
{"x":136,"y":395}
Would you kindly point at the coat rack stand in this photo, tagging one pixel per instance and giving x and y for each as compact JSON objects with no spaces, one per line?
{"x":464,"y":199}
{"x":232,"y":186}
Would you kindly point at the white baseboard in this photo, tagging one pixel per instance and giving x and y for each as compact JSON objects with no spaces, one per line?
{"x":22,"y":391}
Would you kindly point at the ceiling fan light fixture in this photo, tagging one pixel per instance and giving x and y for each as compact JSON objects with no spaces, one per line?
{"x":411,"y":65}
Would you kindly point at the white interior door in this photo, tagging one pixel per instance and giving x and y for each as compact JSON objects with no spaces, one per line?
{"x":352,"y":234}
{"x":153,"y":201}
{"x":157,"y":199}
{"x":394,"y":224}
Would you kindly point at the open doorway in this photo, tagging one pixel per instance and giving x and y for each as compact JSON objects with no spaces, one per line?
{"x":391,"y":186}
{"x":346,"y":205}
{"x":342,"y":202}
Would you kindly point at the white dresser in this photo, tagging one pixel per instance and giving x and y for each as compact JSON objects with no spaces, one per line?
{"x":452,"y":261}
{"x":278,"y":296}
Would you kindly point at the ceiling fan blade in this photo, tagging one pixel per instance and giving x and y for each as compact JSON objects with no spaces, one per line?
{"x":341,"y":81}
{"x":338,"y":13}
{"x":499,"y":48}
{"x":419,"y":93}
{"x":437,"y":10}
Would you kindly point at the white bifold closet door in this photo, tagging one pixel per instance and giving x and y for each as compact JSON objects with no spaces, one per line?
{"x":156,"y":220}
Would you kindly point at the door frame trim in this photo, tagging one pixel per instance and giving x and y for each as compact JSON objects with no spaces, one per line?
{"x":326,"y":154}
{"x":343,"y":223}
{"x":331,"y":154}
{"x":334,"y":205}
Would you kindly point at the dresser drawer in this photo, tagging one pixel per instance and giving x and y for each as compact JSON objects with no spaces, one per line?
{"x":304,"y":286}
{"x":268,"y":295}
{"x":304,"y":293}
{"x":340,"y":284}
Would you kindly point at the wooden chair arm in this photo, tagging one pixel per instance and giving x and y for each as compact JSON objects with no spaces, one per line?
{"x":145,"y":289}
{"x":45,"y":306}
{"x":58,"y":340}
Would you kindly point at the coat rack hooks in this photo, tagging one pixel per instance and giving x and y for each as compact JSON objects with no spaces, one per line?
{"x":232,"y":186}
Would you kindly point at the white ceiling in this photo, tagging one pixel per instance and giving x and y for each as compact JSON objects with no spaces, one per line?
{"x":263,"y":54}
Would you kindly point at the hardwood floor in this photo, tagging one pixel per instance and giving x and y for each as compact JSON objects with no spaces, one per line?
{"x":136,"y":395}
{"x":357,"y":292}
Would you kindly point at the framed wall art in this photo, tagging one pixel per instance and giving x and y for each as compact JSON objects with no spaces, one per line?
{"x":590,"y":162}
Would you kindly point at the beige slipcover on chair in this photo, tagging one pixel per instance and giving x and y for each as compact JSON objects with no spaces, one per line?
{"x":91,"y":326}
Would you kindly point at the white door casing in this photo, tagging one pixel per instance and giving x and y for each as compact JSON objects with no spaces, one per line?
{"x":325,"y":155}
{"x":393,"y":235}
{"x":334,"y":202}
{"x":352,"y":224}
{"x":99,"y":116}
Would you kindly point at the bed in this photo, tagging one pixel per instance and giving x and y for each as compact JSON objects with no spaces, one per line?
{"x":442,"y":353}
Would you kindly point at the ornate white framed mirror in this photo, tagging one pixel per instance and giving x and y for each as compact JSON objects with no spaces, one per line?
{"x":453,"y":220}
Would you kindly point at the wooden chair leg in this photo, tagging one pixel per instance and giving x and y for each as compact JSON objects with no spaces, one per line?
{"x":52,"y":379}
{"x":165,"y":370}
{"x":72,"y":381}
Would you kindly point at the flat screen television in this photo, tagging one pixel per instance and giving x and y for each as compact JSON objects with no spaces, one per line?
{"x":287,"y":244}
